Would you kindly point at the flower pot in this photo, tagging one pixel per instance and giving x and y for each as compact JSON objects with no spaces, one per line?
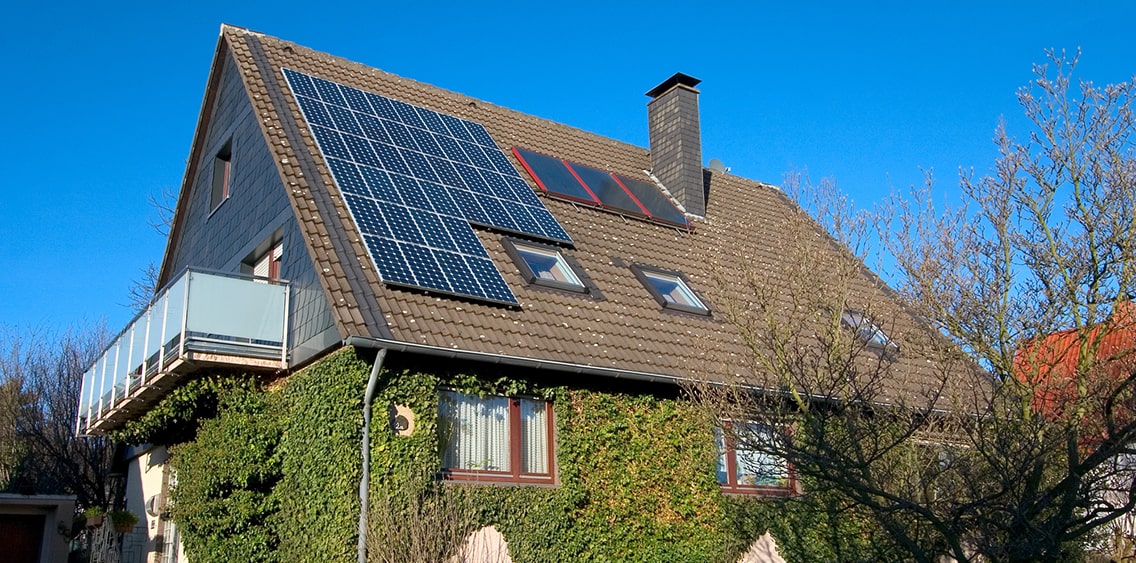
{"x":95,"y":521}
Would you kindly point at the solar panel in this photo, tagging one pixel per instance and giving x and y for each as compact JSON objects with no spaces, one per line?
{"x":583,"y":184}
{"x":610,"y":193}
{"x":653,"y":200}
{"x":414,"y":181}
{"x":554,"y":177}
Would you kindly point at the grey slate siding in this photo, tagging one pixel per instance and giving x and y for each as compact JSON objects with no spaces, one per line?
{"x":676,"y":146}
{"x":256,"y":208}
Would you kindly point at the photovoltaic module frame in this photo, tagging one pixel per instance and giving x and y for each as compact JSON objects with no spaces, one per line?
{"x":415,"y":181}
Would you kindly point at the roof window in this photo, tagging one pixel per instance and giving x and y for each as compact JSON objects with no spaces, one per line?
{"x":867,"y":331}
{"x":670,"y":289}
{"x":541,"y":264}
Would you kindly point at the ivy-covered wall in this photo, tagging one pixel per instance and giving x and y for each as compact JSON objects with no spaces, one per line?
{"x":636,"y":477}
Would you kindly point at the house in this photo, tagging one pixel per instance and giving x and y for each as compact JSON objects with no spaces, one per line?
{"x":1083,"y":367}
{"x":1082,"y":377}
{"x":523,"y":298}
{"x":35,"y":528}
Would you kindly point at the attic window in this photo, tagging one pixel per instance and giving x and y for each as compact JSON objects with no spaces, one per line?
{"x":670,"y":289}
{"x":867,"y":331}
{"x":542,"y":264}
{"x":222,"y":175}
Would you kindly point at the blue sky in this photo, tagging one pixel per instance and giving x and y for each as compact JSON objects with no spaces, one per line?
{"x":100,"y":99}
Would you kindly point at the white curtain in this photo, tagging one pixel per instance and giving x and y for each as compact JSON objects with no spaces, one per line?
{"x":476,"y":432}
{"x":534,"y":437}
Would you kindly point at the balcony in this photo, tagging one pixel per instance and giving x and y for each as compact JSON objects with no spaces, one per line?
{"x":201,"y":319}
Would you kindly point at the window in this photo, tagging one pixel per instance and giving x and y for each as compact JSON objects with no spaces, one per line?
{"x":670,"y":290}
{"x":268,"y":265}
{"x":867,"y":331}
{"x":265,"y":260}
{"x":745,"y":470}
{"x":545,"y":265}
{"x":495,"y":438}
{"x":222,"y":174}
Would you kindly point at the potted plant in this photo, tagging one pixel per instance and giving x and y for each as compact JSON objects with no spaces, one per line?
{"x":124,"y":520}
{"x":94,"y":516}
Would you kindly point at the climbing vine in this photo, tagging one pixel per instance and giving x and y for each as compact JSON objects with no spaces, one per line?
{"x":635,"y":481}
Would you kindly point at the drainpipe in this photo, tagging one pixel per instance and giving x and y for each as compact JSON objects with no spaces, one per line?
{"x":365,"y":482}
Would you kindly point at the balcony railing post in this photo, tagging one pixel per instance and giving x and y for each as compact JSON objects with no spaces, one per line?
{"x":284,"y":332}
{"x":113,"y":362}
{"x":162,"y":338}
{"x":149,"y":314}
{"x":184,"y":313}
{"x":101,"y":366}
{"x":130,"y":355}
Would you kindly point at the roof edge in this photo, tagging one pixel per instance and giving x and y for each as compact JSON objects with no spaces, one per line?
{"x":515,"y":361}
{"x":195,"y":148}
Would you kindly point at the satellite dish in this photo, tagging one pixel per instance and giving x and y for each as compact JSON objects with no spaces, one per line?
{"x":717,"y":166}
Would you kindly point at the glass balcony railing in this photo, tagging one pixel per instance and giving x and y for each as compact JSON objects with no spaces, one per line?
{"x":201,"y":317}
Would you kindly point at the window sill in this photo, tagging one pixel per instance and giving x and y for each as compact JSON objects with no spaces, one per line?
{"x":467,"y":477}
{"x":215,"y":208}
{"x":758,"y":491}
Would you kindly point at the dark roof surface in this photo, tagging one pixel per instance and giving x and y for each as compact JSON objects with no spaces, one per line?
{"x":743,"y":232}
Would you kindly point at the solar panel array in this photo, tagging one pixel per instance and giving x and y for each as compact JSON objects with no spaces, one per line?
{"x":414,"y":181}
{"x":587,"y":185}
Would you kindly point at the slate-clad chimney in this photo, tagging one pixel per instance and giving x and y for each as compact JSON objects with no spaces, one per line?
{"x":676,"y":142}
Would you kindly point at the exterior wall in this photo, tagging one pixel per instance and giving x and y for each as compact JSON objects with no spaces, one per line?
{"x":154,"y":539}
{"x":256,"y":209}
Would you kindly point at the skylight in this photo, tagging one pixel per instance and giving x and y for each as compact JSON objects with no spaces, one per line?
{"x":868,"y":331}
{"x":670,"y":290}
{"x":542,"y":264}
{"x":548,"y":265}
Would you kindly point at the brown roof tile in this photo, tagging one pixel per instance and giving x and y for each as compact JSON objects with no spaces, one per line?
{"x":626,"y":330}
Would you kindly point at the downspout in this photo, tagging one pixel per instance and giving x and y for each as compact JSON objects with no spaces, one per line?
{"x":365,"y":481}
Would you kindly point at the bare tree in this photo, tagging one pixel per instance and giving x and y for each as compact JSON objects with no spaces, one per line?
{"x":986,"y":410}
{"x":164,"y":205}
{"x":47,"y":370}
{"x":424,"y":521}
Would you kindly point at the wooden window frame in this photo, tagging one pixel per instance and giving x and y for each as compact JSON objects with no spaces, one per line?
{"x":732,"y":487}
{"x":514,"y":475}
{"x":222,"y":176}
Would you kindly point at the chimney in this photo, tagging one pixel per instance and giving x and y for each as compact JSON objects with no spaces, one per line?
{"x":676,"y":141}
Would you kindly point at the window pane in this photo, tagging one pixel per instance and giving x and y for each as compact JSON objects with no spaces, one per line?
{"x":534,"y":437}
{"x":548,"y":265}
{"x":720,"y":438}
{"x":673,"y":290}
{"x":475,"y":432}
{"x":759,"y":469}
{"x":865,"y":329}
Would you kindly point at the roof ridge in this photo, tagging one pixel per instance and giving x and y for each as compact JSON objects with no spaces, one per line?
{"x":453,"y":94}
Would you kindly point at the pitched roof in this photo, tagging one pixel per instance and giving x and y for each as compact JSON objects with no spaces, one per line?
{"x":743,"y":232}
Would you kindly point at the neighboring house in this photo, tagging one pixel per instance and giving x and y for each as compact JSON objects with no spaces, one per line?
{"x":330,"y":205}
{"x":1084,"y":376}
{"x":1071,"y":368}
{"x":35,"y":528}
